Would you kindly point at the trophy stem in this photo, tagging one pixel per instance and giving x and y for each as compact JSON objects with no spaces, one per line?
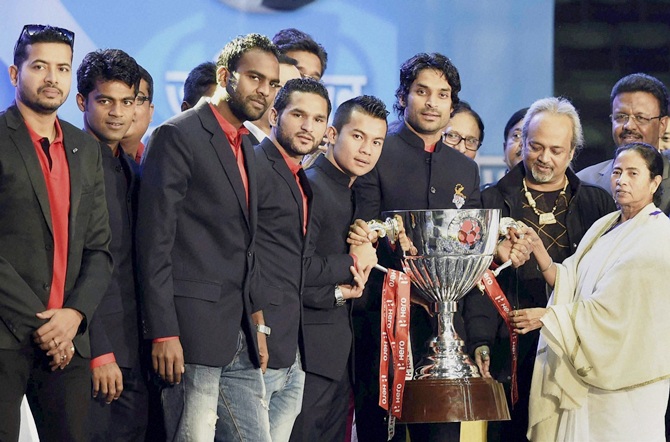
{"x":446,"y":358}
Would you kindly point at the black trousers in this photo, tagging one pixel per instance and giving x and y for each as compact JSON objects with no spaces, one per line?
{"x":325,"y":408}
{"x":125,"y":419}
{"x":58,"y":400}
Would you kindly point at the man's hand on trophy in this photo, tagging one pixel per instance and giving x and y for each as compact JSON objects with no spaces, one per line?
{"x":366,"y":256}
{"x":360,"y":233}
{"x":483,"y":360}
{"x":517,"y":246}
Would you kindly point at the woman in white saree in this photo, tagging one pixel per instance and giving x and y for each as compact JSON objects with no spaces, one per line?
{"x":603,"y":370}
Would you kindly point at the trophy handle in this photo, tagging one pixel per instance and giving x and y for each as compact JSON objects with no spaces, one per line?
{"x":389,"y":227}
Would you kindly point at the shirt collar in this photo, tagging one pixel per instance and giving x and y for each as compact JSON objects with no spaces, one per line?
{"x":255,"y":131}
{"x":232,"y":133}
{"x":36,"y":139}
{"x":290,"y":162}
{"x":331,"y":171}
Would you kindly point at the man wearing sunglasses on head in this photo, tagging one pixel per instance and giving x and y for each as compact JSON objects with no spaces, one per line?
{"x":54,"y":237}
{"x":639,"y":114}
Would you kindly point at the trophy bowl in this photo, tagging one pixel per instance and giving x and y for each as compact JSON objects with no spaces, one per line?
{"x":450,"y":250}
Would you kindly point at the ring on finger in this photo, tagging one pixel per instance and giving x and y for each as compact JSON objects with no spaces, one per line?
{"x":72,"y":349}
{"x":63,"y":357}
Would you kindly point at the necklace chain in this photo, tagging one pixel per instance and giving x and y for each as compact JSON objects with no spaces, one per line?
{"x":545,"y":217}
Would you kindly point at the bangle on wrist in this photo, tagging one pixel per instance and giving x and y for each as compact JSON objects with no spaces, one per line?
{"x":548,"y":267}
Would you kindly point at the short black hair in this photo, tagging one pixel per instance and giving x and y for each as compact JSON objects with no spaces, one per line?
{"x":464,"y":107}
{"x":366,"y":104}
{"x":146,"y":76}
{"x":31,"y":34}
{"x":285,"y":59}
{"x":410,"y":70}
{"x":199,"y":80}
{"x":652,"y":158}
{"x":292,"y":39}
{"x":308,"y":85}
{"x":107,"y":65}
{"x":642,"y":83}
{"x":513,"y":120}
{"x":233,"y":51}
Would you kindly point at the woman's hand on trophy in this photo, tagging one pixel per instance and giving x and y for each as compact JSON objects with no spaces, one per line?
{"x":527,"y":319}
{"x":360,"y":233}
{"x":483,"y":360}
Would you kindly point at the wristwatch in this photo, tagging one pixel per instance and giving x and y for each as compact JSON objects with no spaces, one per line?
{"x":260,"y":328}
{"x":339,"y":298}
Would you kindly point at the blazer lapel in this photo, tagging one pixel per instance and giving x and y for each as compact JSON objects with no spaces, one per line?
{"x":71,"y":152}
{"x":250,"y":164}
{"x":24,"y":145}
{"x":280,"y":166}
{"x":226,"y":157}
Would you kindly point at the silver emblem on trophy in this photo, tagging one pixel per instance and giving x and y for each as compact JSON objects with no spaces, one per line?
{"x":450,"y":252}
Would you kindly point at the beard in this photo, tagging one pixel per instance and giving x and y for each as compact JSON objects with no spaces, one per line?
{"x":286,"y":141}
{"x":242,"y":107}
{"x":39,"y":105}
{"x":541,"y":177}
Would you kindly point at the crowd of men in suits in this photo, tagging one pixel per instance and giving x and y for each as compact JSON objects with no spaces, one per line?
{"x":222,"y":268}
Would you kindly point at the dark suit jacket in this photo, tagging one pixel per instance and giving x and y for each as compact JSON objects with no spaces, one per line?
{"x":328,"y":330}
{"x":280,"y":245}
{"x":196,"y":238}
{"x":600,"y":174}
{"x":26,"y":238}
{"x":114,"y":328}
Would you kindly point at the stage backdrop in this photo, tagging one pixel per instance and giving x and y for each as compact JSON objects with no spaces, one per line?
{"x":503,"y":49}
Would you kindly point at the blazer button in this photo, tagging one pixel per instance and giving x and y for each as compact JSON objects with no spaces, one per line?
{"x":46,"y":287}
{"x":432,"y":189}
{"x":249,"y":254}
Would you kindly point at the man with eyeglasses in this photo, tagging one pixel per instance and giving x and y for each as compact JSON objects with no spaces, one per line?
{"x":144,"y":113}
{"x":639,"y":114}
{"x":512,"y":138}
{"x":196,"y":240}
{"x":54,"y":237}
{"x":544,"y":193}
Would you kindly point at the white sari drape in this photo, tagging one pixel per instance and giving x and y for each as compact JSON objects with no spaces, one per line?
{"x":606,"y":328}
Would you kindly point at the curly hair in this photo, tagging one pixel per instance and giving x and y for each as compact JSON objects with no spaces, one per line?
{"x":233,"y":51}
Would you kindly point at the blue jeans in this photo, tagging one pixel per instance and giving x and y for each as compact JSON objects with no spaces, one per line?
{"x":284,"y":388}
{"x":218,"y":403}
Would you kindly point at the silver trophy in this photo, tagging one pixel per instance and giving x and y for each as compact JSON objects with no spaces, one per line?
{"x":450,"y":250}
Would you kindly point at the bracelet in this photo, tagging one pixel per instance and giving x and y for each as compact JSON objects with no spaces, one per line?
{"x":548,"y":267}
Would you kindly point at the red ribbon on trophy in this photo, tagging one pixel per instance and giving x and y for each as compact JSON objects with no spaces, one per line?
{"x":495,"y":293}
{"x":394,"y":340}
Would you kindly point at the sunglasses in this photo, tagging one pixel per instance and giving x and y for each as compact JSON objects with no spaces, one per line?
{"x":31,"y":30}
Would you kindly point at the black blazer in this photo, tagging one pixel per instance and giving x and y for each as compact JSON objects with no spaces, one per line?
{"x":280,"y":244}
{"x":26,"y":238}
{"x":328,"y":329}
{"x":195,"y":238}
{"x":114,"y":328}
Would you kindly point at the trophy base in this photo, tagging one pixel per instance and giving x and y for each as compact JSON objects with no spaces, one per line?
{"x":453,"y":400}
